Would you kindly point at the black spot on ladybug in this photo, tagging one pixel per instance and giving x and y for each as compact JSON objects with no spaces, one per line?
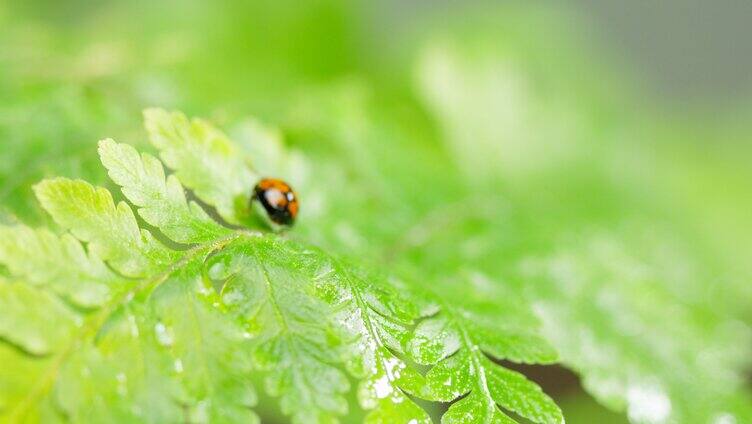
{"x":278,"y":200}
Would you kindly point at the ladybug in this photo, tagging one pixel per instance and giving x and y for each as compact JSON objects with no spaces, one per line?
{"x":278,"y":200}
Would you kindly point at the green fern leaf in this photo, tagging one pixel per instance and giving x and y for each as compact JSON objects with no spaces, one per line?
{"x":59,"y":264}
{"x":155,"y":345}
{"x":461,"y":341}
{"x":638,"y":310}
{"x":204,"y":160}
{"x":659,"y":376}
{"x":27,"y":312}
{"x":111,"y":231}
{"x":293,"y":337}
{"x":166,"y":320}
{"x":378,"y":314}
{"x":161,"y":200}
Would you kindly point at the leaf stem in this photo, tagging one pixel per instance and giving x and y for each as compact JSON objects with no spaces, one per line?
{"x":474,"y":353}
{"x":270,"y":290}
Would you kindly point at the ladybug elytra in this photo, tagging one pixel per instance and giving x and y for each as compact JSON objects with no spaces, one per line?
{"x":278,"y":200}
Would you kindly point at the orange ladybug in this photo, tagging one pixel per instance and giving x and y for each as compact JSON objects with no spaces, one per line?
{"x":278,"y":200}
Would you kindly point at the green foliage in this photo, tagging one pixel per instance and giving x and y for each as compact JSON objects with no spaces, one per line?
{"x":167,"y":317}
{"x":161,"y":201}
{"x":474,"y":166}
{"x":462,"y":340}
{"x":627,"y":293}
{"x":668,"y":370}
{"x":203,"y":159}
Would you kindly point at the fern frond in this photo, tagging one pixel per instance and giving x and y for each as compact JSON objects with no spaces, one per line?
{"x":59,"y":264}
{"x":462,"y":341}
{"x":204,"y":160}
{"x":160,"y":200}
{"x":165,"y":318}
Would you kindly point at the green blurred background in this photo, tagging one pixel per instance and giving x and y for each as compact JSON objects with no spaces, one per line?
{"x":597,"y":112}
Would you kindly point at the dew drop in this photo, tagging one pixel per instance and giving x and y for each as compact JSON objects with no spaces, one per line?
{"x":231,"y":297}
{"x":133,"y":325}
{"x":78,"y":321}
{"x":648,"y":403}
{"x":122,"y":388}
{"x":217,"y":271}
{"x":382,"y":388}
{"x":163,"y":335}
{"x":203,"y":289}
{"x":178,"y":365}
